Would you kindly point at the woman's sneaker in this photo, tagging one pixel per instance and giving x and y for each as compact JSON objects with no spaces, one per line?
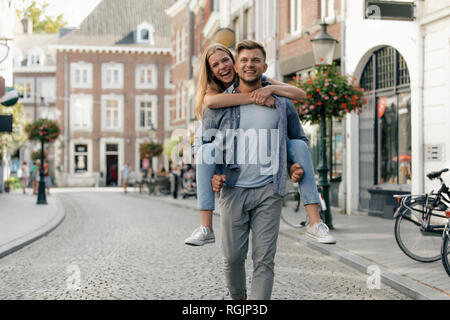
{"x":320,"y":233}
{"x":202,"y":235}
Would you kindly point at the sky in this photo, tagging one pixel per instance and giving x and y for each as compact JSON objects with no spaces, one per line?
{"x":74,"y":11}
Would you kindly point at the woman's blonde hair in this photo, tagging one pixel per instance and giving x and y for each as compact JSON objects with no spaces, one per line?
{"x":206,"y":80}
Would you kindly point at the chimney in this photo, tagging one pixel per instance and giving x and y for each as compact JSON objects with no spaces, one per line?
{"x":27,"y":26}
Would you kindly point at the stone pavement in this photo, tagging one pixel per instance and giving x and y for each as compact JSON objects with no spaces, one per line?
{"x":22,"y":221}
{"x":362,"y":242}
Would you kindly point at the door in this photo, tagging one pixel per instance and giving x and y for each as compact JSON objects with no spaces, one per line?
{"x":112,"y":165}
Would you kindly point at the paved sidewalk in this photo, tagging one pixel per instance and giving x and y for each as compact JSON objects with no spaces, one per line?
{"x":364,"y":242}
{"x":22,"y":221}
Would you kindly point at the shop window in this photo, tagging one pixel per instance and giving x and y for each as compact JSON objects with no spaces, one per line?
{"x":386,"y":82}
{"x":80,"y":158}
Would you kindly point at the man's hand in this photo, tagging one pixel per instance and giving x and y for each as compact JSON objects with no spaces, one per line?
{"x":262,"y":96}
{"x":217,"y":182}
{"x":296,"y":172}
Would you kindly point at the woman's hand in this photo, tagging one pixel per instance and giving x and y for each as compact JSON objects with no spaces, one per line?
{"x":262,"y":96}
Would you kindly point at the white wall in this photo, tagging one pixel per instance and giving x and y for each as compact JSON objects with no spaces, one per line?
{"x":436,"y":93}
{"x":362,"y":38}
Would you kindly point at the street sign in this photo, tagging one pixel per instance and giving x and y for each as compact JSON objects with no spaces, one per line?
{"x":389,"y":10}
{"x":6,"y":123}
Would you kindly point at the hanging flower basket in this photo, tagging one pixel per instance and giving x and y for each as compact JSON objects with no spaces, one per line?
{"x":150,"y":149}
{"x":43,"y":130}
{"x":330,"y":91}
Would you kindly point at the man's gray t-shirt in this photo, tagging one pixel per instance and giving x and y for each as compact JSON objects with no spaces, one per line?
{"x":257,"y":145}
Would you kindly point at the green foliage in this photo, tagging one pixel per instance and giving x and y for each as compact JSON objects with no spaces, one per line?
{"x":41,"y":23}
{"x":13,"y":183}
{"x":150,"y":149}
{"x":11,"y":142}
{"x":330,"y":91}
{"x":43,"y":130}
{"x":169,"y":145}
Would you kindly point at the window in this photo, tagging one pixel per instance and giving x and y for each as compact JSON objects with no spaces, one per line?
{"x":80,"y":158}
{"x":112,"y":112}
{"x":247,"y":24}
{"x":214,"y":5}
{"x":296,"y":16}
{"x":385,"y":124}
{"x":168,"y":84}
{"x":112,"y":75}
{"x":81,"y":75}
{"x":35,"y":57}
{"x":145,"y":115}
{"x":26,"y":87}
{"x":145,"y":34}
{"x":34,"y":60}
{"x":327,"y":11}
{"x":146,"y":112}
{"x":146,"y":76}
{"x":237,"y":29}
{"x":81,"y":112}
{"x":178,"y":47}
{"x":178,"y":106}
{"x":47,"y":89}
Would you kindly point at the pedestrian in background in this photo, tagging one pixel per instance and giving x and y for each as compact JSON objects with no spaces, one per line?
{"x":126,"y":170}
{"x":35,"y":170}
{"x":24,"y":174}
{"x":47,"y":178}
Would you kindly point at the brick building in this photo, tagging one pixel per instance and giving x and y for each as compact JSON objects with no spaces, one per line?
{"x":113,"y":90}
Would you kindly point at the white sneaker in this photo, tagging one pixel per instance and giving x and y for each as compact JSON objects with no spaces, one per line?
{"x":202,"y":235}
{"x":320,"y":233}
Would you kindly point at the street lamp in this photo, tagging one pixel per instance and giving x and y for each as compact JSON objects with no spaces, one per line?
{"x":323,"y":49}
{"x":42,"y":199}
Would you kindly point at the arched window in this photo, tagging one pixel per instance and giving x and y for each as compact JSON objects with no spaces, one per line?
{"x":385,"y":124}
{"x":144,"y":33}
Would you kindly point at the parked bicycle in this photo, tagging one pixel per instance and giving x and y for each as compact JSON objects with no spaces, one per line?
{"x":293,"y":212}
{"x":421,"y":220}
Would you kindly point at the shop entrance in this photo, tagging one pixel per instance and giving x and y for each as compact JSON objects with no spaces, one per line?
{"x":112,"y":165}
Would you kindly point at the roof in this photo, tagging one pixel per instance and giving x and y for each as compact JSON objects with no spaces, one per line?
{"x":113,"y":22}
{"x":23,"y":43}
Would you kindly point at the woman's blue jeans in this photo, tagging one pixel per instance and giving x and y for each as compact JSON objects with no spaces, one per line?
{"x":297,"y":152}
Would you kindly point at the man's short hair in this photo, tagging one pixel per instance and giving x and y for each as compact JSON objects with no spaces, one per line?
{"x":250,"y":45}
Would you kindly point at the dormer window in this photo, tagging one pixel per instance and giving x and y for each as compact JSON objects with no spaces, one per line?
{"x":35,"y":57}
{"x":145,"y":34}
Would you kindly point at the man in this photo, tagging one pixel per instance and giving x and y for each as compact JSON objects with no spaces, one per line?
{"x":126,"y":171}
{"x":251,"y":200}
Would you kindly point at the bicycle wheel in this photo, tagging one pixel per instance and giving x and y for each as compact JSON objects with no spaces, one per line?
{"x":417,"y":244}
{"x":293,"y":212}
{"x":446,"y":252}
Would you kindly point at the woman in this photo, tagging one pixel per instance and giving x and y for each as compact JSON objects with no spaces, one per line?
{"x":216,"y":74}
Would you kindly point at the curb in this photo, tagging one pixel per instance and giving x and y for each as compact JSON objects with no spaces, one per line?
{"x":36,"y":234}
{"x":404,"y":284}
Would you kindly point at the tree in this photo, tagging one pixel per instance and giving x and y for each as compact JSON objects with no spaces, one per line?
{"x":11,"y":142}
{"x":41,"y":23}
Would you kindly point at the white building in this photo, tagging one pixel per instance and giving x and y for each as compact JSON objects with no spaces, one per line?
{"x":7,"y":19}
{"x":404,"y":67}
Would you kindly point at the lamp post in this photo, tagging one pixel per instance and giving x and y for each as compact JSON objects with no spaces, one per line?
{"x":323,"y":49}
{"x":42,"y":199}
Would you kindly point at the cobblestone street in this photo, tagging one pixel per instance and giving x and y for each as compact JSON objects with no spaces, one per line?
{"x":117,"y":246}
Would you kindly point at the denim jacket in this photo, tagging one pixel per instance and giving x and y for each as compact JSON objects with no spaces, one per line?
{"x":225,"y":119}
